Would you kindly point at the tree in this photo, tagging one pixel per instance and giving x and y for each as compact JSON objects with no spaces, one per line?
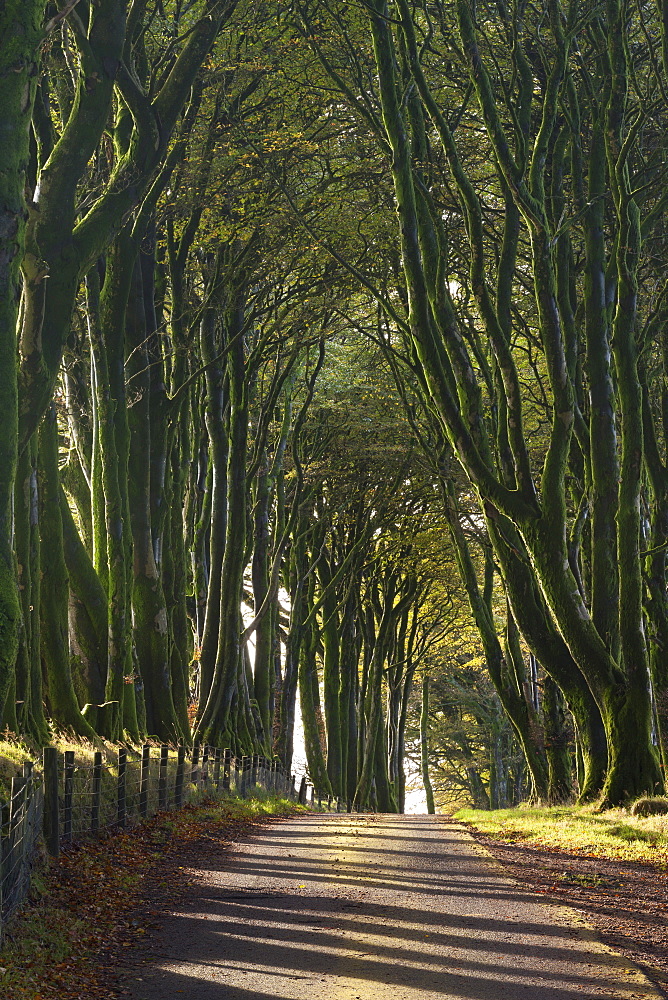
{"x":530,"y":191}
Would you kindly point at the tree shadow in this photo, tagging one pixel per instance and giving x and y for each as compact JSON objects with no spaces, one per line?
{"x":265,"y":925}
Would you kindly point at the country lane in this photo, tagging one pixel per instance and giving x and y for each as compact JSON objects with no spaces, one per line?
{"x":371,"y":907}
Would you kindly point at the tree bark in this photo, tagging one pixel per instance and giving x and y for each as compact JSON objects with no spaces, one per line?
{"x":424,"y":746}
{"x":20,"y":31}
{"x":55,"y":651}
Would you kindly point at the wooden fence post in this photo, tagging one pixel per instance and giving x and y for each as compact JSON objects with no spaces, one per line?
{"x":302,"y":791}
{"x":227,"y":767}
{"x":97,"y":789}
{"x":51,"y":827}
{"x":216,"y":768}
{"x":68,"y":793}
{"x":245,"y":775}
{"x":178,"y":781}
{"x":143,"y":780}
{"x":121,"y":788}
{"x":194,"y":772}
{"x":205,"y":766}
{"x":162,"y":778}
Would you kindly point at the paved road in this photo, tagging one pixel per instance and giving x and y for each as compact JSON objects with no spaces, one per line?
{"x":372,"y":908}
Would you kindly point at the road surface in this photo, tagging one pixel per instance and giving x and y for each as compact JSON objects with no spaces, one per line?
{"x":372,"y":907}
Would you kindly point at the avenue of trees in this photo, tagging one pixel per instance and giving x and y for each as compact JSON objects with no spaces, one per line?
{"x":334,"y":363}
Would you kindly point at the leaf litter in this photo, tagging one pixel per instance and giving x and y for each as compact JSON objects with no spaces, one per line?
{"x":103,"y":896}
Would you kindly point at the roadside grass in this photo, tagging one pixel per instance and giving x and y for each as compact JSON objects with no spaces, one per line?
{"x":13,"y":754}
{"x":614,"y":834}
{"x":98,"y":898}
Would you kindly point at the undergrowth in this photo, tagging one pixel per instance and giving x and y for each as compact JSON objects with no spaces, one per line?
{"x":614,"y":834}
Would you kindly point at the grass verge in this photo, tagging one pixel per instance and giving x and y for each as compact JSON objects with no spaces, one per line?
{"x":614,"y":834}
{"x":100,"y":895}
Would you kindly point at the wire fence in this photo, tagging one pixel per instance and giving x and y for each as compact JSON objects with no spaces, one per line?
{"x":20,"y":828}
{"x":65,"y":799}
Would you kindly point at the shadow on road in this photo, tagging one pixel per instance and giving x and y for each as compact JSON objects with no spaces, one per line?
{"x":298,"y":913}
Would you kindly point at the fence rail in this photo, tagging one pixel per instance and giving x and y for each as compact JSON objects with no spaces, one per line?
{"x":64,"y":800}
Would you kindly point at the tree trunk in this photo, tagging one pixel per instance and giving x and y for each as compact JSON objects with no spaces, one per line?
{"x":547,"y":644}
{"x":88,"y":615}
{"x":424,"y":746}
{"x":284,"y":738}
{"x":214,"y":417}
{"x":150,"y":630}
{"x":264,"y":633}
{"x":560,"y":787}
{"x":28,"y":689}
{"x":348,"y":663}
{"x":55,"y":650}
{"x":214,"y":724}
{"x":20,"y":31}
{"x":309,"y":701}
{"x":114,"y":548}
{"x":331,"y":674}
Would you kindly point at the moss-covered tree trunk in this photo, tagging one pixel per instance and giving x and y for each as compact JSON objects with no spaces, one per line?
{"x":560,"y":786}
{"x":309,"y":702}
{"x":149,"y":614}
{"x":331,"y":672}
{"x":656,"y":567}
{"x":374,"y":757}
{"x":55,"y":648}
{"x":548,"y":645}
{"x":298,"y":568}
{"x":20,"y":26}
{"x":113,"y":307}
{"x":215,"y":412}
{"x":175,"y":577}
{"x":115,"y":527}
{"x":29,"y":688}
{"x":410,"y":666}
{"x":214,"y":723}
{"x":264,"y":633}
{"x":368,"y":627}
{"x":348,"y":665}
{"x":88,"y":617}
